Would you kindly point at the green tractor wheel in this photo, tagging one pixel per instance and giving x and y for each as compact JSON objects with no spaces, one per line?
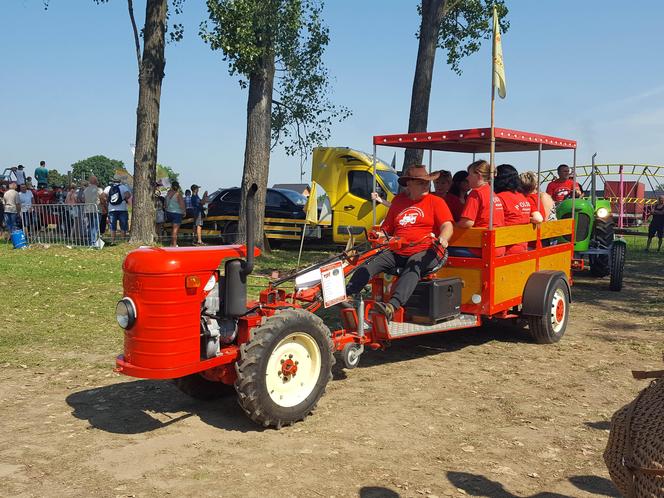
{"x":618,"y":251}
{"x":599,"y":263}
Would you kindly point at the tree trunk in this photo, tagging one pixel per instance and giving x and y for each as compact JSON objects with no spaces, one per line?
{"x":257,"y":147}
{"x":147,"y":122}
{"x":432,"y":15}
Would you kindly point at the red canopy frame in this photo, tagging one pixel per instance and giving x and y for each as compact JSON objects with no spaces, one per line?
{"x":475,"y":140}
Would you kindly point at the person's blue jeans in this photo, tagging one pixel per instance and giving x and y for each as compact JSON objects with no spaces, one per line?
{"x":10,"y":221}
{"x":93,"y":227}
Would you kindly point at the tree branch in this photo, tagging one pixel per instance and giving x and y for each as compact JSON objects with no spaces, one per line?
{"x":130,"y":6}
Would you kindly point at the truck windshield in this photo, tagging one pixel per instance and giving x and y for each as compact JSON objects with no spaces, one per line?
{"x":390,"y":179}
{"x":297,"y":198}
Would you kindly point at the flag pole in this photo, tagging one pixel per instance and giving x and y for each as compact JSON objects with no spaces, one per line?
{"x":492,"y":152}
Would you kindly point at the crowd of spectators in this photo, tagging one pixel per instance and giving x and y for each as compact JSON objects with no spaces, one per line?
{"x":82,"y":210}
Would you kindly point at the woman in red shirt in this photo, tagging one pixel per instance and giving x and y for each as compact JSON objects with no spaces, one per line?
{"x":476,"y":209}
{"x":515,"y":204}
{"x":412,"y":216}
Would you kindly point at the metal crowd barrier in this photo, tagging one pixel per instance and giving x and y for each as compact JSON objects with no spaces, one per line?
{"x":69,"y":224}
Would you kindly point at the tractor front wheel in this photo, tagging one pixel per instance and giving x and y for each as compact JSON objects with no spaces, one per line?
{"x":198,"y":387}
{"x":617,"y":266}
{"x":350,"y":355}
{"x":284,"y":369}
{"x":599,"y":263}
{"x":550,"y":327}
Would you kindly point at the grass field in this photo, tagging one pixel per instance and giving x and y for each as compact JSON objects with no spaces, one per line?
{"x":59,"y":303}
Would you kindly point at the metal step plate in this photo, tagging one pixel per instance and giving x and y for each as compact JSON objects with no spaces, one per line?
{"x":463,"y":321}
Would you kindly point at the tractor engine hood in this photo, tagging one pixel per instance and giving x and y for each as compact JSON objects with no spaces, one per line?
{"x":169,"y":260}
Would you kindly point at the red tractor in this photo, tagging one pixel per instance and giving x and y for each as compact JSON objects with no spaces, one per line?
{"x":187,"y":320}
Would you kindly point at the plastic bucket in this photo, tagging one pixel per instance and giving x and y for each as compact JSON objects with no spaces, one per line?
{"x":18,"y":239}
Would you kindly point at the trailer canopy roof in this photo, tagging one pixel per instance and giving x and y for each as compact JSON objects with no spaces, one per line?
{"x":475,"y":140}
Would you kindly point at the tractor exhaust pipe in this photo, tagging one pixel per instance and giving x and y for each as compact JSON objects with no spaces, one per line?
{"x":248,"y":265}
{"x":593,"y":182}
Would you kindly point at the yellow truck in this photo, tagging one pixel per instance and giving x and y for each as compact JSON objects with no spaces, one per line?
{"x":346,"y":176}
{"x":344,"y":179}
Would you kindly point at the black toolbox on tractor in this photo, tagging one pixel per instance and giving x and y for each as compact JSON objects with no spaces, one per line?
{"x":434,"y":301}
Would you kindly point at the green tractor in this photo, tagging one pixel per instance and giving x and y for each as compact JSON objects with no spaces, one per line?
{"x":595,"y":244}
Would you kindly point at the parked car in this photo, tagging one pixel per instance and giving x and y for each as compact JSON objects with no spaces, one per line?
{"x":280,"y":204}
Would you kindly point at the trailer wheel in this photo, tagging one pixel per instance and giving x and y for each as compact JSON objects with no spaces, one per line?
{"x":198,"y":387}
{"x":350,"y":355}
{"x":550,"y":327}
{"x":284,"y":369}
{"x":617,"y":266}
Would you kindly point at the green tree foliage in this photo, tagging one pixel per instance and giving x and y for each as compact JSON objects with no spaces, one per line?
{"x":166,"y":172}
{"x":465,"y":24}
{"x":293,"y":32}
{"x":261,"y":38}
{"x":100,"y":166}
{"x":55,"y":178}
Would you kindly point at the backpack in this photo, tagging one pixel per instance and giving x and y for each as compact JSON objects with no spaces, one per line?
{"x":115,"y":195}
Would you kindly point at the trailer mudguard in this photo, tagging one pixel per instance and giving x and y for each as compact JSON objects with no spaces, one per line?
{"x":534,"y":301}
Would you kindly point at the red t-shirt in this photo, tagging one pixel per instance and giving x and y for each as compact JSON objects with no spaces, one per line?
{"x":532,"y":200}
{"x":413,"y":220}
{"x":477,"y":208}
{"x":455,"y":205}
{"x":517,"y":212}
{"x":517,"y":208}
{"x":43,"y":196}
{"x":560,"y":189}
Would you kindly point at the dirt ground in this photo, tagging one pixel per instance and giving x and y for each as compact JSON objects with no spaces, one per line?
{"x":479,"y":412}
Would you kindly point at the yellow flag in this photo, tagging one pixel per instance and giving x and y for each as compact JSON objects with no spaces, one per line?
{"x":311,"y":208}
{"x":498,"y":65}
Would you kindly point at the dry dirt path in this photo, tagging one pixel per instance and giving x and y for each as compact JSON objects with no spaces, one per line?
{"x":480,"y":412}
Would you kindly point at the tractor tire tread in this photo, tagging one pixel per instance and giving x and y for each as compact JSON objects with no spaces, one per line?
{"x":617,"y":267}
{"x":247,"y":367}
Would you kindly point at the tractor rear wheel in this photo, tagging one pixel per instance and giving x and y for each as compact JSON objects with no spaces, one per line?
{"x":284,"y":369}
{"x":198,"y":387}
{"x":599,"y":263}
{"x":617,"y":266}
{"x":550,"y":327}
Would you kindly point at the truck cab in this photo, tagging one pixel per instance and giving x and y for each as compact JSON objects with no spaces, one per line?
{"x":346,"y":176}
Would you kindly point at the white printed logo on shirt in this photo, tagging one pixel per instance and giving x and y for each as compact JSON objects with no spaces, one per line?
{"x":409,"y":216}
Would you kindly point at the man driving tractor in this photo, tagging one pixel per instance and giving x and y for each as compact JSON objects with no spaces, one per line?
{"x":412,"y":216}
{"x":560,"y":188}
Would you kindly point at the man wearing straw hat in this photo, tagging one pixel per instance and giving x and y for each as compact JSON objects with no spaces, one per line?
{"x":412,"y":216}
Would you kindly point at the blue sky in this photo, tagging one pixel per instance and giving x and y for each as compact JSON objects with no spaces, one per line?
{"x":587,"y":70}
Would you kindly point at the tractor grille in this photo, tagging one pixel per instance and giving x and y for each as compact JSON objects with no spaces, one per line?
{"x":582,"y":226}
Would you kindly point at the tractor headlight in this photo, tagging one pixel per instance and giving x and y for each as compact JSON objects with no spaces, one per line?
{"x":125,"y":313}
{"x":602,"y":212}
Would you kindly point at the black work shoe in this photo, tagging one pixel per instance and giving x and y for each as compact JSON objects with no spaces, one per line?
{"x":385,"y":309}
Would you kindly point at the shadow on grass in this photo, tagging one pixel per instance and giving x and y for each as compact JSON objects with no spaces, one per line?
{"x":141,"y":406}
{"x":478,"y":485}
